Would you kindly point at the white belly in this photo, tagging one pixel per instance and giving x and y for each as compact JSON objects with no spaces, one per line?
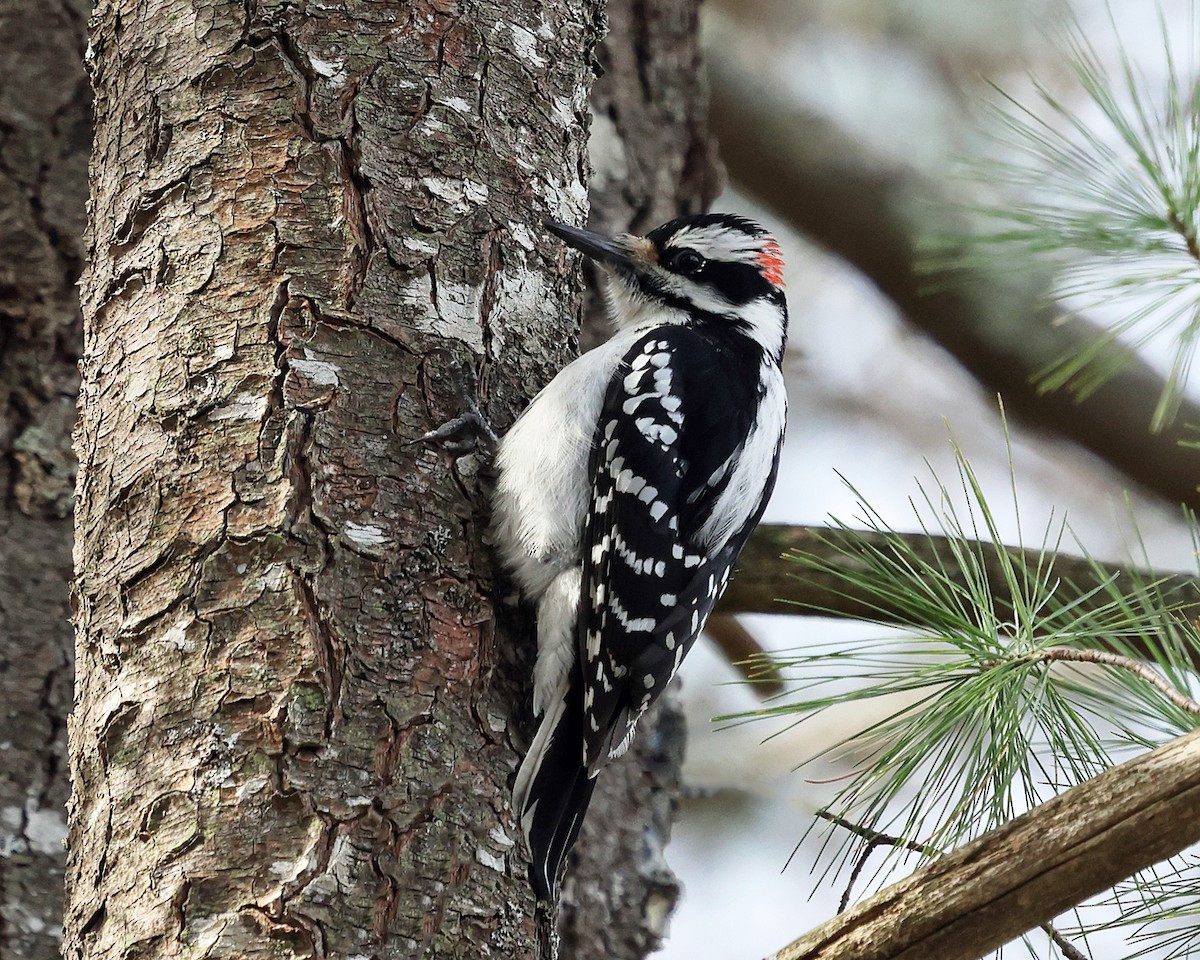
{"x":543,"y":487}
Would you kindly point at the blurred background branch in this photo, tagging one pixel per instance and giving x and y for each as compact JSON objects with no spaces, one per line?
{"x":767,"y":583}
{"x":879,"y":215}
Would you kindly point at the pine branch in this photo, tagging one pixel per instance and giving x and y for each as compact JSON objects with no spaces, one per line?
{"x":1107,"y":658}
{"x":1028,"y":871}
{"x":765,"y":583}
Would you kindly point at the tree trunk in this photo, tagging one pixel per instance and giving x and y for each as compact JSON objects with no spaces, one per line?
{"x":296,"y":721}
{"x":655,"y":161}
{"x":44,"y":138}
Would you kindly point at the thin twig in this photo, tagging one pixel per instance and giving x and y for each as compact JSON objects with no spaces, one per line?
{"x":875,"y":836}
{"x":875,"y":839}
{"x":1073,"y":655}
{"x":1069,"y":950}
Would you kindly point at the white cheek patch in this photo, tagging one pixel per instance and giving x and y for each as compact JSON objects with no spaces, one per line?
{"x":629,"y":308}
{"x":705,"y":298}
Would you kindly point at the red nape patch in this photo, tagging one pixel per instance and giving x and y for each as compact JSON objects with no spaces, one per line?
{"x":770,"y":262}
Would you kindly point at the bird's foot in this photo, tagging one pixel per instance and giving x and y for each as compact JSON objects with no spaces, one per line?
{"x":470,"y":431}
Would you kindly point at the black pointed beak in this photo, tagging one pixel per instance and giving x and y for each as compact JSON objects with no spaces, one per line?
{"x":609,"y":250}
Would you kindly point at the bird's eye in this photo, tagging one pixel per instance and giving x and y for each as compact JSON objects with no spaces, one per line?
{"x":687,"y":262}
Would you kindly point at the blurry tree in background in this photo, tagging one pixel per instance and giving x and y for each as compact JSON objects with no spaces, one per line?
{"x":45,"y":134}
{"x":287,"y":736}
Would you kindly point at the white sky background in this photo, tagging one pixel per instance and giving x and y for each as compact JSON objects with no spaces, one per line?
{"x":874,"y":401}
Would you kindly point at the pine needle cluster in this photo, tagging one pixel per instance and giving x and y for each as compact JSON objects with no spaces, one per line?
{"x":1107,"y":187}
{"x":1012,"y":684}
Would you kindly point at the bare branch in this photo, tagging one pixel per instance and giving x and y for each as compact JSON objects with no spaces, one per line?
{"x":997,"y":322}
{"x":1106,"y":657}
{"x":1028,"y":871}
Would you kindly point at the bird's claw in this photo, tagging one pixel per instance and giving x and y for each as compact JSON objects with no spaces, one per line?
{"x":469,"y":431}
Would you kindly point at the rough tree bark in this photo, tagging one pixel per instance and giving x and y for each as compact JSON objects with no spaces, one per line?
{"x":294,"y":725}
{"x":44,"y":139}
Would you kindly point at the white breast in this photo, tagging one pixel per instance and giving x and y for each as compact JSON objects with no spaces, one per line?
{"x":543,"y":488}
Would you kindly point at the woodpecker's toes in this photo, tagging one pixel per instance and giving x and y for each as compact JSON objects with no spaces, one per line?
{"x":470,"y":431}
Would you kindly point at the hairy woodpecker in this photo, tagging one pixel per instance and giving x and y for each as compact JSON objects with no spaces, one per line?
{"x":627,"y":488}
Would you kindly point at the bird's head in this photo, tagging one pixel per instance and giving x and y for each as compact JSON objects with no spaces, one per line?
{"x":713,"y":268}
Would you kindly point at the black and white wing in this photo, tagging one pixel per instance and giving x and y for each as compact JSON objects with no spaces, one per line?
{"x":673,"y":498}
{"x":669,"y":516}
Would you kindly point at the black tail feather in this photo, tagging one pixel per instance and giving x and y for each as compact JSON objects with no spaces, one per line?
{"x":553,"y":790}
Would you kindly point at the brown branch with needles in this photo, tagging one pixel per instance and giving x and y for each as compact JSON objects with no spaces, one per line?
{"x":1023,"y":874}
{"x":1109,"y":659}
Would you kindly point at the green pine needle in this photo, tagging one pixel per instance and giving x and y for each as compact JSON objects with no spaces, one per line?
{"x":987,"y":725}
{"x":1159,"y":909}
{"x":1115,"y":202}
